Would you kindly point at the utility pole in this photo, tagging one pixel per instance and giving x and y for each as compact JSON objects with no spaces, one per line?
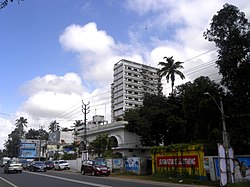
{"x":85,"y":111}
{"x":225,"y":138}
{"x":40,"y":143}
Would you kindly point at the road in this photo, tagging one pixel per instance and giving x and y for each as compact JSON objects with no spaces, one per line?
{"x":65,"y":179}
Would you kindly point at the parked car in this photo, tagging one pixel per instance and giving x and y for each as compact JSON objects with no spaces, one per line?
{"x":13,"y":166}
{"x":49,"y":164}
{"x":37,"y":166}
{"x":25,"y":164}
{"x":61,"y":164}
{"x":95,"y":167}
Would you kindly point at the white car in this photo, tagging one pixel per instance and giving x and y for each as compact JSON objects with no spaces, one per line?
{"x":61,"y":164}
{"x":13,"y":166}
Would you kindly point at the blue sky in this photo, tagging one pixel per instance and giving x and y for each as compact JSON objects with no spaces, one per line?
{"x":54,"y":54}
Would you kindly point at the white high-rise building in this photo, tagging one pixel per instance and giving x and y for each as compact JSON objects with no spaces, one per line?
{"x":131,"y":81}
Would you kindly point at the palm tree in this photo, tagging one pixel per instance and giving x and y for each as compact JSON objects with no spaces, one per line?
{"x":77,"y":123}
{"x":20,"y":124}
{"x":54,"y":126}
{"x":169,"y":69}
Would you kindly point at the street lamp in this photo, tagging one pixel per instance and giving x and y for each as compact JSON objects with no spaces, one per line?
{"x":224,"y":135}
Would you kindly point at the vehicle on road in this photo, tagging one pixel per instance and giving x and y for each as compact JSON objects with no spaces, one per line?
{"x":13,"y":166}
{"x":61,"y":164}
{"x":37,"y":166}
{"x":25,"y":163}
{"x":95,"y":167}
{"x":4,"y":160}
{"x":49,"y":164}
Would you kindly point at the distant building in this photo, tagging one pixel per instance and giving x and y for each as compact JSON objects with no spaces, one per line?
{"x":131,"y":81}
{"x":61,"y":137}
{"x":32,"y":149}
{"x":97,"y":120}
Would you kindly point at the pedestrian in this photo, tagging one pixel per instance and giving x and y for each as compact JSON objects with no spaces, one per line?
{"x":237,"y":172}
{"x":243,"y":169}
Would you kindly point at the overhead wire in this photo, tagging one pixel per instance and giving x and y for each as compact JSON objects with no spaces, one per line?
{"x":77,"y":106}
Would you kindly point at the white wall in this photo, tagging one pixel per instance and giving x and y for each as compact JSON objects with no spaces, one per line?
{"x":75,"y":164}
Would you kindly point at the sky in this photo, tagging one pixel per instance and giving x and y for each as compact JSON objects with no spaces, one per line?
{"x":58,"y":55}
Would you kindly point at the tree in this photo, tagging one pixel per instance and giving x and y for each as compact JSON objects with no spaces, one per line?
{"x":99,"y":146}
{"x":77,"y":123}
{"x":12,"y":144}
{"x":20,"y":124}
{"x":54,"y":126}
{"x":156,"y":122}
{"x":169,"y":69}
{"x":230,"y":31}
{"x":186,"y":116}
{"x":4,"y":3}
{"x":203,"y":119}
{"x":37,"y":134}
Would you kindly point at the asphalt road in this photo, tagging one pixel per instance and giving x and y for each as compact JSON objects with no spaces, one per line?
{"x":71,"y":179}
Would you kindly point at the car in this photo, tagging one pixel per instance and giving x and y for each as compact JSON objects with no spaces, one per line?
{"x":25,"y":164}
{"x":13,"y":166}
{"x":4,"y":160}
{"x":49,"y":164}
{"x":61,"y":164}
{"x":95,"y":167}
{"x":37,"y":166}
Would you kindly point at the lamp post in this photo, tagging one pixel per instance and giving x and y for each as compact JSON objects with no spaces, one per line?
{"x":225,"y":139}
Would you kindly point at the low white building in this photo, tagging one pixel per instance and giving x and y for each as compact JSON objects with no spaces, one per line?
{"x":128,"y":144}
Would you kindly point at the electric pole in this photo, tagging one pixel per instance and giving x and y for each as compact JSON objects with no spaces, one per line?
{"x":85,"y":111}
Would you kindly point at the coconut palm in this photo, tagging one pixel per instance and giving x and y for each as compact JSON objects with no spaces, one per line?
{"x":77,"y":123}
{"x":21,"y":123}
{"x":53,"y":127}
{"x":169,"y":69}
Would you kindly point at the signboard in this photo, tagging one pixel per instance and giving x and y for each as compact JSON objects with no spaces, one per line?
{"x":170,"y":161}
{"x":117,"y":163}
{"x":132,"y":164}
{"x":27,"y":145}
{"x":27,"y":153}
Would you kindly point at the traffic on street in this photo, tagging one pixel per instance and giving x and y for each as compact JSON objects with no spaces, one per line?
{"x":66,"y":178}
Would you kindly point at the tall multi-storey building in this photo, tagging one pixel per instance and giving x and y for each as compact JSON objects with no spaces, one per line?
{"x":131,"y":81}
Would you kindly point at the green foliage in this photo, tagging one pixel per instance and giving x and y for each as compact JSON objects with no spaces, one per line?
{"x":156,"y":122}
{"x":169,"y":69}
{"x":56,"y":156}
{"x":37,"y":134}
{"x":99,"y":145}
{"x":230,"y":31}
{"x":12,"y":144}
{"x":20,"y":124}
{"x":54,"y":126}
{"x":186,"y":116}
{"x":102,"y":146}
{"x":176,"y":148}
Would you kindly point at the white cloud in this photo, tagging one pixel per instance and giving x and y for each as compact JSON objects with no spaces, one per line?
{"x":174,"y":28}
{"x":6,"y":126}
{"x":67,"y":84}
{"x":86,"y":38}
